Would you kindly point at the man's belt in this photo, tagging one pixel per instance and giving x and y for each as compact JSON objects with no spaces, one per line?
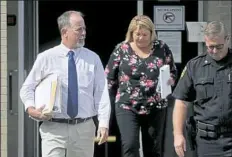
{"x":70,"y":121}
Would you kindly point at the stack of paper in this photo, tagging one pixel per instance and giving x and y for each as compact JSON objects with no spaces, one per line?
{"x":48,"y":93}
{"x":163,"y":78}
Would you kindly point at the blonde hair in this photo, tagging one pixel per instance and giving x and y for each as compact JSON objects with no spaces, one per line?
{"x":140,"y":21}
{"x":215,"y":28}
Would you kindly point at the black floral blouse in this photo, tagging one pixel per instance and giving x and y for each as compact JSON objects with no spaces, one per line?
{"x":134,"y":80}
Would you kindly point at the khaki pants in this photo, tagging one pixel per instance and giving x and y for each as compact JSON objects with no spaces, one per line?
{"x":67,"y":140}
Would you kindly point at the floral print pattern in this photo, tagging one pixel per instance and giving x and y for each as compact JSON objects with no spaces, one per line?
{"x":136,"y":79}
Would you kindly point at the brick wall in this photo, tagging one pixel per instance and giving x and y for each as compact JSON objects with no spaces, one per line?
{"x":218,"y":10}
{"x":3,"y":84}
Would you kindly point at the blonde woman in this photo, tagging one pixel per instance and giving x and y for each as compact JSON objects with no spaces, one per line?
{"x":132,"y":73}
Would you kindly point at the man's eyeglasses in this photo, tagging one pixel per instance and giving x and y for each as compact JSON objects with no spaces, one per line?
{"x":79,"y":29}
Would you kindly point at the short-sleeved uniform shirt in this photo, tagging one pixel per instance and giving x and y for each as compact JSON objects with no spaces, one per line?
{"x":208,"y":84}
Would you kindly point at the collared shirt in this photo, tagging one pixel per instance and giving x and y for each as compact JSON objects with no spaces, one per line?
{"x":208,"y":84}
{"x":93,"y":97}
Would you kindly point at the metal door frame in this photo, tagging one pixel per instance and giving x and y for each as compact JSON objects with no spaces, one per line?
{"x":200,"y":19}
{"x":20,"y":77}
{"x":139,"y":7}
{"x":24,"y":45}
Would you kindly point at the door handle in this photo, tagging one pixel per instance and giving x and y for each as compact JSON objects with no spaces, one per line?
{"x":10,"y":99}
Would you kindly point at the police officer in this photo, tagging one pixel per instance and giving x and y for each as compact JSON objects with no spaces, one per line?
{"x":207,"y":82}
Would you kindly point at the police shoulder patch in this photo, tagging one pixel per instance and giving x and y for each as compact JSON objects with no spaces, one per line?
{"x":183,"y":72}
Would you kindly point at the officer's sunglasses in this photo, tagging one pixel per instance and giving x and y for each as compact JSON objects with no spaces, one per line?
{"x":219,"y":46}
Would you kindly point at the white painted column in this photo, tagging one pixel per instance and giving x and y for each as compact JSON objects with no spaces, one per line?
{"x":140,"y":12}
{"x":200,"y":19}
{"x":20,"y":77}
{"x":139,"y":7}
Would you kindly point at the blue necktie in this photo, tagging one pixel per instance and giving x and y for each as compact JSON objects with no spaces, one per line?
{"x":72,"y":108}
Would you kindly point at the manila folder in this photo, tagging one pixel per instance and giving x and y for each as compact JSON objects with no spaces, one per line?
{"x":48,"y":93}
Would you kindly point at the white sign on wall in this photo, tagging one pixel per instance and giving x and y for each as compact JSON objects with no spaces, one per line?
{"x":173,"y":40}
{"x":196,"y":31}
{"x":169,"y":17}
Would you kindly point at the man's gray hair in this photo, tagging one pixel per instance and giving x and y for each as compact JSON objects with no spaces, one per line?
{"x":215,"y":28}
{"x":64,"y":19}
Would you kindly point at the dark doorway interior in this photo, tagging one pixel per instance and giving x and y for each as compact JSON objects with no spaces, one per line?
{"x":189,"y":51}
{"x":106,"y":23}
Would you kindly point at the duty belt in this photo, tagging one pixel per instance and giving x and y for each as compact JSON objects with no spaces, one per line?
{"x":212,"y":131}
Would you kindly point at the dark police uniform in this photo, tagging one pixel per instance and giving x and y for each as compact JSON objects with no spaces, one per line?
{"x":208,"y":84}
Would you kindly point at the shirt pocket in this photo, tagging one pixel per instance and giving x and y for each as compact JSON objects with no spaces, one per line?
{"x":204,"y":88}
{"x":85,"y":78}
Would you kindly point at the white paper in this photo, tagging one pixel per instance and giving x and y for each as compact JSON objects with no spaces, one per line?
{"x":196,"y":31}
{"x":163,"y":78}
{"x":173,"y":40}
{"x":43,"y":95}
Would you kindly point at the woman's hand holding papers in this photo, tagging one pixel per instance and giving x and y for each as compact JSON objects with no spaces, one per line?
{"x":171,"y":81}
